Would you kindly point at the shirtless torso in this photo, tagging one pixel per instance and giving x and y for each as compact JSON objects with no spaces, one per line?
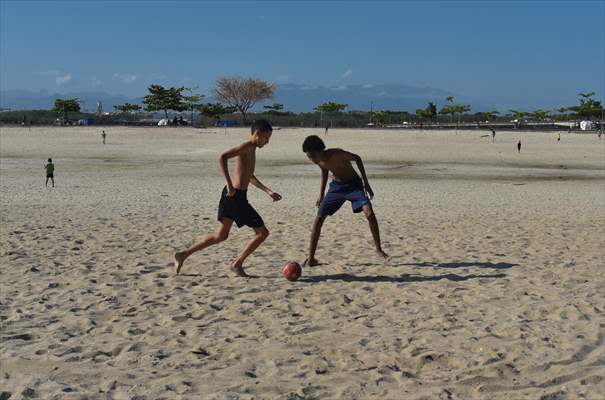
{"x":338,"y":162}
{"x":245,"y":163}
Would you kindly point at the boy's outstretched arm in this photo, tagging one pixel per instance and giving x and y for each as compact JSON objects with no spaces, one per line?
{"x":366,"y":184}
{"x":322,"y":189}
{"x":275,"y":196}
{"x":234,"y":152}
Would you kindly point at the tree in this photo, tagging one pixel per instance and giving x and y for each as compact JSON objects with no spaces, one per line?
{"x":454,"y":110}
{"x":329,"y":108}
{"x":563,"y":113}
{"x":215,"y":110}
{"x":64,"y":106}
{"x":517,"y":115}
{"x":378,"y":116}
{"x":192,"y":102}
{"x":448,"y":109}
{"x":242,"y":93}
{"x":461,"y":109}
{"x":538,"y":115}
{"x":275,"y":109}
{"x":486,"y":115}
{"x":430,"y":111}
{"x":161,"y":98}
{"x":588,"y":108}
{"x":127,"y":107}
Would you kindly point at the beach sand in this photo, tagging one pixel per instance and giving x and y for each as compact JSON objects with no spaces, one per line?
{"x":496,"y":289}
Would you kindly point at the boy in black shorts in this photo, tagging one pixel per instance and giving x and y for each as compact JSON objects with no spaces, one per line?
{"x":346,"y":186}
{"x":234,"y":206}
{"x":50,"y":172}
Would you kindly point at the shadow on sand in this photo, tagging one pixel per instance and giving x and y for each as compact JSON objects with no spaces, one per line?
{"x":499,"y":265}
{"x":394,"y":279}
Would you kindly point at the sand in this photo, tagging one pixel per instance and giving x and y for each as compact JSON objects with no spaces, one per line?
{"x":496,"y":289}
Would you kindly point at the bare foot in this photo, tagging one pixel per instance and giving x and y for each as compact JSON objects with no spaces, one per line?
{"x":179,"y":259}
{"x":238,"y":269}
{"x":311,"y":262}
{"x":384,"y":255}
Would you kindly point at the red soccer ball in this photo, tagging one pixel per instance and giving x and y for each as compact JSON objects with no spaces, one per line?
{"x":291,"y":270}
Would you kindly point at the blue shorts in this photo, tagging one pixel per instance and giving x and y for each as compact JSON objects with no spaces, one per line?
{"x":339,"y":192}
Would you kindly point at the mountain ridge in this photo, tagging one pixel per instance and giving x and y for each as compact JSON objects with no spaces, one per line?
{"x":294,"y":97}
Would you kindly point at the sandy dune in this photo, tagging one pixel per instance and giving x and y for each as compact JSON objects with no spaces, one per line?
{"x":496,"y":288}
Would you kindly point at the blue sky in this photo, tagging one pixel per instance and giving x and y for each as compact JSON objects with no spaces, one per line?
{"x":541,"y":51}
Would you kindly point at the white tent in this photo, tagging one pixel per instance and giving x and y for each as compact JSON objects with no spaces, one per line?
{"x":586,"y":125}
{"x":163,"y":122}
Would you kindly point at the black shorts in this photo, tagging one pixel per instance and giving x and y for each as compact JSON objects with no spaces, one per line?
{"x":50,"y":176}
{"x":238,"y":209}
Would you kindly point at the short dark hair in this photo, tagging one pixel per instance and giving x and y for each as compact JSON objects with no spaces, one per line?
{"x":50,"y":160}
{"x":261,"y":125}
{"x":313,"y":143}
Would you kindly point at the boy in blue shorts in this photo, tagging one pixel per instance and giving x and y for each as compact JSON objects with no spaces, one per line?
{"x":345,"y":186}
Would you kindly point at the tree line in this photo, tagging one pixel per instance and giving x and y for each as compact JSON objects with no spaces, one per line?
{"x":236,"y":96}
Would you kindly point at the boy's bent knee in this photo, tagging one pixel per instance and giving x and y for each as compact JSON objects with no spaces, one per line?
{"x":369,"y":213}
{"x":221,"y":236}
{"x":263,"y":232}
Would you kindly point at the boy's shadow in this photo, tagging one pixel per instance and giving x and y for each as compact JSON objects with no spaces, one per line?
{"x":394,"y":279}
{"x":498,"y":265}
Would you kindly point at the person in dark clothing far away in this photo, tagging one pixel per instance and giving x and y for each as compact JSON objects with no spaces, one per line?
{"x":50,"y":172}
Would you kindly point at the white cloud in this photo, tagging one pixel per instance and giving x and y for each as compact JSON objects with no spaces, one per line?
{"x":341,"y":87}
{"x":95,"y":82}
{"x":62,"y":80}
{"x":347,"y":74}
{"x":283,"y":78}
{"x":367,"y":86}
{"x":125,"y":78}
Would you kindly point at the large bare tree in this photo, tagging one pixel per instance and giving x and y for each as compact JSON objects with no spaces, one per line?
{"x":242,"y":93}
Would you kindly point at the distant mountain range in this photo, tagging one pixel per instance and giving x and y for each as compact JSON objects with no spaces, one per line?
{"x":294,"y":97}
{"x":396,"y":97}
{"x":18,"y":99}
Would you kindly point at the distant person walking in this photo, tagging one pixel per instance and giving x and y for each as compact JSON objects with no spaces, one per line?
{"x":559,"y":137}
{"x":50,"y":172}
{"x":600,"y":133}
{"x":519,"y":146}
{"x":103,"y":135}
{"x":326,"y":131}
{"x":493,"y":134}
